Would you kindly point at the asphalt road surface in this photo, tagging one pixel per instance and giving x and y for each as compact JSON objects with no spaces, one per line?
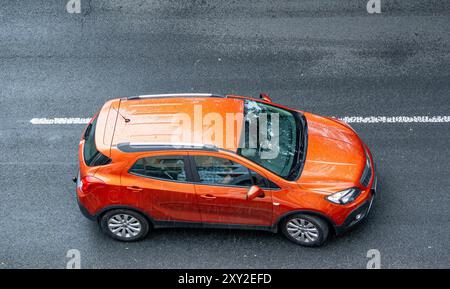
{"x":328,"y":57}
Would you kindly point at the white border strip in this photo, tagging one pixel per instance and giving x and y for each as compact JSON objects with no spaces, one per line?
{"x":347,"y":119}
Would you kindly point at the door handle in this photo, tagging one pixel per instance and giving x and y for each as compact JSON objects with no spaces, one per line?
{"x":134,"y":188}
{"x":208,"y":197}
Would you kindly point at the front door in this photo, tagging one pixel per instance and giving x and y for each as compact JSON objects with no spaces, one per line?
{"x":221,"y":188}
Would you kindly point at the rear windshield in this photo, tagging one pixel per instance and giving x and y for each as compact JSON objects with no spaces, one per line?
{"x":90,"y":150}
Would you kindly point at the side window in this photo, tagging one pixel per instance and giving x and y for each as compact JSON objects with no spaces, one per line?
{"x":262,"y":182}
{"x":161,"y":167}
{"x":219,"y":171}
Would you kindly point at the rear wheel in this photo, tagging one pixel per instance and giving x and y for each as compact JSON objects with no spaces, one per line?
{"x":124,"y":225}
{"x":305,"y":230}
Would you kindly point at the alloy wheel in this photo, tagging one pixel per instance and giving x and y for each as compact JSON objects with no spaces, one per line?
{"x":124,"y":225}
{"x":302,"y":230}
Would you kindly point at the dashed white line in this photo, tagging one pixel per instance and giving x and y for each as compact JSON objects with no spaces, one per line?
{"x":396,"y":119}
{"x":60,"y":120}
{"x":347,"y":119}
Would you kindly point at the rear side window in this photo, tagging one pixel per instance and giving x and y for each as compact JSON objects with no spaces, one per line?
{"x":92,"y":157}
{"x":170,"y":168}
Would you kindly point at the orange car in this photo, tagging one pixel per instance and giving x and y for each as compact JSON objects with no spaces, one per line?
{"x":212,"y":161}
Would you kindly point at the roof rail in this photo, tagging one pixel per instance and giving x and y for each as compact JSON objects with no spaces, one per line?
{"x":128,"y":147}
{"x":176,"y":95}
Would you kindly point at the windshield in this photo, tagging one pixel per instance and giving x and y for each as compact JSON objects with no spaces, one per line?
{"x":273,"y":138}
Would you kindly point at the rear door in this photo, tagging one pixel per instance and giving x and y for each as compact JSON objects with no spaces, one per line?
{"x":163,"y":184}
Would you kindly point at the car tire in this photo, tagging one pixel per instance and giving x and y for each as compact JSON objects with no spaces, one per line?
{"x":305,"y":230}
{"x":124,"y":225}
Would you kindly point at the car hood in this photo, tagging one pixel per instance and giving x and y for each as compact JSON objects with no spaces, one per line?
{"x":335,"y":156}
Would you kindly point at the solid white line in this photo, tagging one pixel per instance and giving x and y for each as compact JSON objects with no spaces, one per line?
{"x":347,"y":119}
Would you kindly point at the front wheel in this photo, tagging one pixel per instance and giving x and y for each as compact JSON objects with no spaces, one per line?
{"x":124,"y":225}
{"x":305,"y":230}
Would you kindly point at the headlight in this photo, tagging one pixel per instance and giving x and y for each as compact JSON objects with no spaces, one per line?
{"x":345,"y":196}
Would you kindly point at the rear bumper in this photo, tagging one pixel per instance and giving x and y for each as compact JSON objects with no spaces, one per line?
{"x":82,"y":208}
{"x":360,"y":213}
{"x":85,"y":212}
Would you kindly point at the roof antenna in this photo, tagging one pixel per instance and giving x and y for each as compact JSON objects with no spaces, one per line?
{"x":127,"y":120}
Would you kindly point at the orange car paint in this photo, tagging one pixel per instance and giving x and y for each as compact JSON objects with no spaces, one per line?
{"x":334,"y":161}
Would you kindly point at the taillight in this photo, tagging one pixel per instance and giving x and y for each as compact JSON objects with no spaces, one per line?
{"x":88,"y":183}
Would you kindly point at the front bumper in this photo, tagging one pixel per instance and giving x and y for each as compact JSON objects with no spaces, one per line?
{"x":360,"y":213}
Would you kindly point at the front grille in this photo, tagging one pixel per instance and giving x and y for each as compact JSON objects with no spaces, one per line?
{"x":367,"y":173}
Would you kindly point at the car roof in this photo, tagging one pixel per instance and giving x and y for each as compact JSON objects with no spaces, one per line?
{"x":171,"y":119}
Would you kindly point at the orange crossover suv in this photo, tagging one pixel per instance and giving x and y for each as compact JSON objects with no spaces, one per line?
{"x":212,"y":161}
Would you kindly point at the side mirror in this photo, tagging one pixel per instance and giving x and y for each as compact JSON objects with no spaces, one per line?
{"x":254,"y":192}
{"x":265,"y":97}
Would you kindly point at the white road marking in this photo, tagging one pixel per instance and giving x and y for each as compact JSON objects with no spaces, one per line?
{"x":396,"y":119}
{"x":60,"y":120}
{"x":347,"y":119}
